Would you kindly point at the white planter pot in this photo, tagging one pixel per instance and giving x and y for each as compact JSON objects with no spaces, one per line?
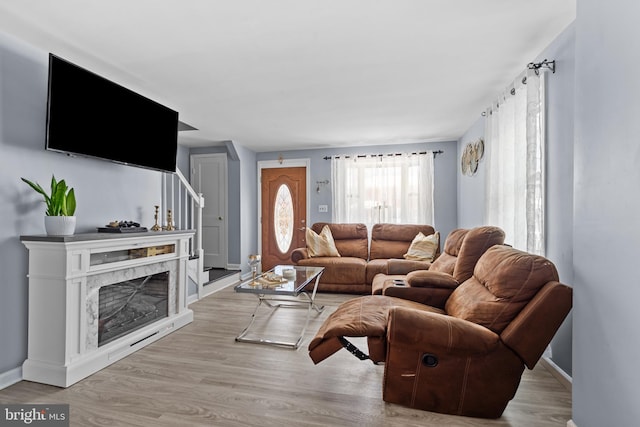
{"x":60,"y":225}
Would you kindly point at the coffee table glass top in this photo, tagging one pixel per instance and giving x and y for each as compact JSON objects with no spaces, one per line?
{"x":289,"y":286}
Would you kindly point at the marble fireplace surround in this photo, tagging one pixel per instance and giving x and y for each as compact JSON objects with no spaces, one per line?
{"x":94,"y":283}
{"x":64,"y":288}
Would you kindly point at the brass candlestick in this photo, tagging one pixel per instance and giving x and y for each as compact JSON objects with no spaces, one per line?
{"x":254,"y":260}
{"x":156,"y":226}
{"x":169,"y":226}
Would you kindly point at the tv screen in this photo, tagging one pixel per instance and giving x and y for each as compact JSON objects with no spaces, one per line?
{"x":91,"y":116}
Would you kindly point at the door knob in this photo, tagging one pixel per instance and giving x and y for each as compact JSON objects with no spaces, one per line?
{"x":301,"y":228}
{"x":220,"y":218}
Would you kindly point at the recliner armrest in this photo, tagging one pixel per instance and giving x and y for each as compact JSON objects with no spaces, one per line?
{"x":298,"y":254}
{"x":431,"y":279}
{"x":436,"y":333}
{"x":405,"y":266}
{"x":426,"y":287}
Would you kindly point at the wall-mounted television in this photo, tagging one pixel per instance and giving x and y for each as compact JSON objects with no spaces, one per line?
{"x":89,"y":115}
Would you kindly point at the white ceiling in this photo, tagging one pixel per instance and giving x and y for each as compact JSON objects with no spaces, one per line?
{"x":274,"y":75}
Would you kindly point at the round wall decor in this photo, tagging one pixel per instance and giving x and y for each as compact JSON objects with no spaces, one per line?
{"x":471,"y":156}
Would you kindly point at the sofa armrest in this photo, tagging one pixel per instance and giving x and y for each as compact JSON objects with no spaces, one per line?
{"x":431,"y":279}
{"x":298,"y":254}
{"x":405,"y":266}
{"x":424,"y":331}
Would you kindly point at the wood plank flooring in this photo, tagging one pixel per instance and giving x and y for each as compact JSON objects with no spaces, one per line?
{"x":199,"y":376}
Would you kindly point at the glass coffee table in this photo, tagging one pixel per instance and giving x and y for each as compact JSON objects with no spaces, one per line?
{"x":290,"y":293}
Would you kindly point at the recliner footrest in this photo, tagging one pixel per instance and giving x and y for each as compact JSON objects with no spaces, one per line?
{"x":364,"y":316}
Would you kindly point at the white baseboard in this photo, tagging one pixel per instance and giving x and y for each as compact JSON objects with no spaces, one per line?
{"x":562,"y":377}
{"x":192,"y":298}
{"x":219,"y":284}
{"x":10,"y":377}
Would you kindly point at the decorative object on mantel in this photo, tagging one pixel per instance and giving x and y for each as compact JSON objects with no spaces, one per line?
{"x":156,"y":226}
{"x":59,"y":217}
{"x":169,"y":226}
{"x":471,"y":156}
{"x":122,"y":227}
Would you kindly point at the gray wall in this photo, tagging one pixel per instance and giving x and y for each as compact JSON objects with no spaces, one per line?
{"x":559,"y":170}
{"x":559,"y":212}
{"x":248,"y":214}
{"x":471,"y":189}
{"x":104,"y":191}
{"x":606,"y":235}
{"x":320,"y":170}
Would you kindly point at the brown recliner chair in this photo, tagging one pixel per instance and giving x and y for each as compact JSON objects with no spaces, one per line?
{"x":462,"y":250}
{"x":468,"y":358}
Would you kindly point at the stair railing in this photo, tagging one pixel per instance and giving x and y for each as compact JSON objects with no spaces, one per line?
{"x":186,"y":208}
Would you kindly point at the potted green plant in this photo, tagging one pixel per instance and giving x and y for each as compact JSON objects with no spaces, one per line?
{"x":59,"y":217}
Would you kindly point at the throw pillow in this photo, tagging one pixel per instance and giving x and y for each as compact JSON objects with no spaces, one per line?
{"x":423,"y":248}
{"x":321,"y":244}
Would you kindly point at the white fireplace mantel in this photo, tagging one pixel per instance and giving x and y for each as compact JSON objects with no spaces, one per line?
{"x":65,"y":274}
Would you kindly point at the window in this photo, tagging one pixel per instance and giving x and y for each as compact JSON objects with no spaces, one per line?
{"x":283,"y":218}
{"x":514,"y":136}
{"x":383,"y":189}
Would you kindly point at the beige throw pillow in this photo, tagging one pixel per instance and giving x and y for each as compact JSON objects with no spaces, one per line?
{"x":423,"y":248}
{"x":321,"y":244}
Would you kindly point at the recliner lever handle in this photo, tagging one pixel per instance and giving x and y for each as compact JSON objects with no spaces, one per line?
{"x":353,"y":349}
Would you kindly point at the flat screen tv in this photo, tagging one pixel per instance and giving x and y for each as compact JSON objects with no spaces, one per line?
{"x":89,"y":115}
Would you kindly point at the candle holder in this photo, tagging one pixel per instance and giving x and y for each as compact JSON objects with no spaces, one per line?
{"x":169,"y":226}
{"x":156,"y":226}
{"x":254,"y":260}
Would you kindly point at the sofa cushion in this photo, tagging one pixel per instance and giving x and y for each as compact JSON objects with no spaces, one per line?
{"x":375,"y":267}
{"x":503,"y":282}
{"x":351,"y":240}
{"x":476,"y":242}
{"x":321,"y":244}
{"x":393,"y":240}
{"x":342,"y":270}
{"x":423,"y":248}
{"x":446,"y":262}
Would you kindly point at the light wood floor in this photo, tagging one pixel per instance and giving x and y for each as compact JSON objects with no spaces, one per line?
{"x":199,"y":376}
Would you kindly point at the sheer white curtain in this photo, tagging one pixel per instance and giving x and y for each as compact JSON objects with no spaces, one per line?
{"x":383,"y":189}
{"x":515,"y":146}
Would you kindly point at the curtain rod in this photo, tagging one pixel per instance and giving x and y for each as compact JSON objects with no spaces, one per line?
{"x":535,"y":66}
{"x":382,"y":155}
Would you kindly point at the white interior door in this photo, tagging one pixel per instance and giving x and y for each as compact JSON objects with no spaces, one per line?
{"x":209,"y":177}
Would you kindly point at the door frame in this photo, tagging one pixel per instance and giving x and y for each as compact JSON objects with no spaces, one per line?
{"x":282,"y":163}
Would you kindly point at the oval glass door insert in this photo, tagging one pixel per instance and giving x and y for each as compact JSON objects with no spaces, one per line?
{"x":283,"y":218}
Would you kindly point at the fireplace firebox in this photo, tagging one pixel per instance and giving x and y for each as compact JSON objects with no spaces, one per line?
{"x":127,"y":306}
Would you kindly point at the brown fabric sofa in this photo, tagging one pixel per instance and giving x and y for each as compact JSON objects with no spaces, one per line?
{"x":462,"y":250}
{"x":359,"y":262}
{"x":468,"y":357}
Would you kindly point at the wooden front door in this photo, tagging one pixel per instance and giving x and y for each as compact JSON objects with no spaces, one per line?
{"x":284,"y":213}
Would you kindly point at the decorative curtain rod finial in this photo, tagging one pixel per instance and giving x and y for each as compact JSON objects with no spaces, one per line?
{"x":544,"y":64}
